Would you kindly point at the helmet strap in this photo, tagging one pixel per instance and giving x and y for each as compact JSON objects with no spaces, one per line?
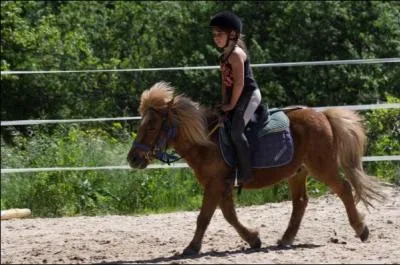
{"x":224,"y":58}
{"x":230,"y":39}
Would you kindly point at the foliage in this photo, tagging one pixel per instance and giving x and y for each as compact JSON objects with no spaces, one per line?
{"x":88,"y":192}
{"x":75,"y":35}
{"x":69,"y":193}
{"x":383,"y":135}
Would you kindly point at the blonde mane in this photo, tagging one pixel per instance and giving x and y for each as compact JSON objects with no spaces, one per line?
{"x":157,"y":97}
{"x":192,"y":124}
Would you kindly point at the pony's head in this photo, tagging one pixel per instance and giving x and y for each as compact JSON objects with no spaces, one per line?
{"x":167,"y":120}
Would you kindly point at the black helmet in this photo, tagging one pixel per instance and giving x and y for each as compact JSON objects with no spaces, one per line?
{"x":227,"y":20}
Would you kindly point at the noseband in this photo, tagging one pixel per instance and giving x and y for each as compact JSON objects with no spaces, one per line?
{"x":165,"y":133}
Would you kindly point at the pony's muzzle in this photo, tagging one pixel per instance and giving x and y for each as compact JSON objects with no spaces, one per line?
{"x":137,"y":161}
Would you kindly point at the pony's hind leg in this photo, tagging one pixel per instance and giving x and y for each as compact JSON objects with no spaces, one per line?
{"x":228,"y":210}
{"x":298,"y":189}
{"x":343,"y":189}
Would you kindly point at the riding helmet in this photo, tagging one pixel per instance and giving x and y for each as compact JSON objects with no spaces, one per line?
{"x":227,"y":20}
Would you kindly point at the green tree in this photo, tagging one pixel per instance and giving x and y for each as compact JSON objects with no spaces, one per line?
{"x":75,"y":35}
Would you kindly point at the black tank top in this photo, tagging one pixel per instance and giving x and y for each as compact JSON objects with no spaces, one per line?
{"x":250,"y":83}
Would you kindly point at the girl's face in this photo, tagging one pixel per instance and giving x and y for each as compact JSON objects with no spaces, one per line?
{"x":220,"y":37}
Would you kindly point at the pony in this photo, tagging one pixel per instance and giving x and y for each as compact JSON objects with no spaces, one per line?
{"x":326,"y":144}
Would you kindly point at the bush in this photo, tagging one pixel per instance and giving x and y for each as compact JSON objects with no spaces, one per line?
{"x":383,"y":130}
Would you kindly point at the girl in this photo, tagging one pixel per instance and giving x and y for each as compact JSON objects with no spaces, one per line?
{"x":240,"y":93}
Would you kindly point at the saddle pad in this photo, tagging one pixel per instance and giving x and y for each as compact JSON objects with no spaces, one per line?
{"x":270,"y":145}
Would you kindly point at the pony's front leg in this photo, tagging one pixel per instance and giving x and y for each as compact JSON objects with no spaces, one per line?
{"x":228,"y":210}
{"x":211,"y":197}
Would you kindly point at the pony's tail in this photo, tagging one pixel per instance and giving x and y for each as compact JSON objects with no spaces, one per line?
{"x":350,"y":140}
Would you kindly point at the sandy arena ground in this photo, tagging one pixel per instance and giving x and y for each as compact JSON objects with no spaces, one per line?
{"x":325,"y":236}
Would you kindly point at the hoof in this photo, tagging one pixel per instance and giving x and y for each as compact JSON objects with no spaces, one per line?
{"x":365,"y":234}
{"x":256,"y":243}
{"x":284,"y":243}
{"x":190,"y":252}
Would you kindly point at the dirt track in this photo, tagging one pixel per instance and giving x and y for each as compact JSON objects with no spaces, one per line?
{"x":325,"y":236}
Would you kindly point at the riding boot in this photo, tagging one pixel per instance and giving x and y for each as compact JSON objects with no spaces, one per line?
{"x":243,"y":162}
{"x":239,"y":139}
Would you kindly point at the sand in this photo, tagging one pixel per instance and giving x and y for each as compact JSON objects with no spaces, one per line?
{"x":325,"y":236}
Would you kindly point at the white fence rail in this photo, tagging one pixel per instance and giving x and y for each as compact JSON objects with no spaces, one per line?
{"x":35,"y":122}
{"x":174,"y":165}
{"x":183,"y":165}
{"x":314,"y":63}
{"x":152,"y":166}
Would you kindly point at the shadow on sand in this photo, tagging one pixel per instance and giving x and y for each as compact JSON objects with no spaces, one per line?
{"x":177,"y":257}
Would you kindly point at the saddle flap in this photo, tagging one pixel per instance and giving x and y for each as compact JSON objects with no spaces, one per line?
{"x":269,"y":138}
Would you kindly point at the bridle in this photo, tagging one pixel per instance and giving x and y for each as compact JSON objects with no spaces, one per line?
{"x":158,"y":148}
{"x":167,"y":132}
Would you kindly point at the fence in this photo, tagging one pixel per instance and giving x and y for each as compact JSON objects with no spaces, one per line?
{"x":183,"y":165}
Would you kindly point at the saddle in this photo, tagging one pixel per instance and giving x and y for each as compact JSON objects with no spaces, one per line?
{"x":268,"y":134}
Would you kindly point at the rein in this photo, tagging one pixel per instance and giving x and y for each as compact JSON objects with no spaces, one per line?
{"x":220,"y":123}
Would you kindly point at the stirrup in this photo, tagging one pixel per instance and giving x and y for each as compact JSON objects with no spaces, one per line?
{"x":235,"y":183}
{"x":233,"y":180}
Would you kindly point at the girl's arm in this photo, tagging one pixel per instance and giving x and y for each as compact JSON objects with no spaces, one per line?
{"x":237,"y":62}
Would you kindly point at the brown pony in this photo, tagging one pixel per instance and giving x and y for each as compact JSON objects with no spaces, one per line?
{"x":324,"y":142}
